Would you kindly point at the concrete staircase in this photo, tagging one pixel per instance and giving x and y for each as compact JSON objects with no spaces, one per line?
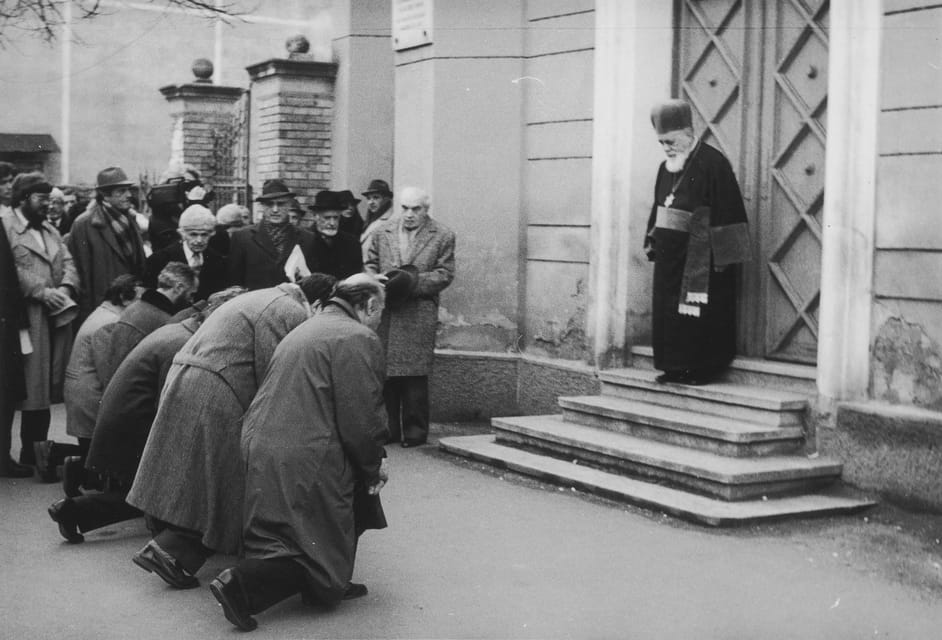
{"x":727,"y":453}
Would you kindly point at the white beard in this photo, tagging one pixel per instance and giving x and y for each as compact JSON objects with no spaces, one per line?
{"x":676,"y":164}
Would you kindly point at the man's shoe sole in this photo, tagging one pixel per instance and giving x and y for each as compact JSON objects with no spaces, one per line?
{"x":70,"y":536}
{"x":248,"y":623}
{"x":151,"y":567}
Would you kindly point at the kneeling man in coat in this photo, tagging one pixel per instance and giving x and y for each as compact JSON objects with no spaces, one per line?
{"x":312,"y":442}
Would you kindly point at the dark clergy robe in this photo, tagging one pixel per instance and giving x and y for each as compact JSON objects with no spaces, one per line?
{"x":696,"y":237}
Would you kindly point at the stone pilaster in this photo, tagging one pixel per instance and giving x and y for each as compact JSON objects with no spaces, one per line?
{"x":202,"y":114}
{"x":292,"y":110}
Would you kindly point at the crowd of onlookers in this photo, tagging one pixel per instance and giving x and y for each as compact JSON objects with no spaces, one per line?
{"x":231,"y":378}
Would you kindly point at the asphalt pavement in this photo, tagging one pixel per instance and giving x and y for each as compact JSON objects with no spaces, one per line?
{"x":473,"y":552}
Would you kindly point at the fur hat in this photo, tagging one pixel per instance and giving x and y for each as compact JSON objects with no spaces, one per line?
{"x":672,"y":115}
{"x":26,"y":184}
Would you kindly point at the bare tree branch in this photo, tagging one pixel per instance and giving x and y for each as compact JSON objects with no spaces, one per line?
{"x":44,"y":18}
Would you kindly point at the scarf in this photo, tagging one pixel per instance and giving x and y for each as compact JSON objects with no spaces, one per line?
{"x":120,"y":224}
{"x":280,"y":235}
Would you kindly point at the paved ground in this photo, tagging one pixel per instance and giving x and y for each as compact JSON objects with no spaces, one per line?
{"x":472,"y":552}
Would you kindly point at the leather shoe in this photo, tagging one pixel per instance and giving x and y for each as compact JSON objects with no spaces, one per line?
{"x":354,"y":590}
{"x":13,"y":469}
{"x":61,"y":513}
{"x":228,"y":590}
{"x":44,"y":465}
{"x":73,"y":474}
{"x":153,"y":559}
{"x":670,"y":376}
{"x":408,"y":444}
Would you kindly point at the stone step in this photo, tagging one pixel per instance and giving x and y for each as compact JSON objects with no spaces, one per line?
{"x":719,"y":434}
{"x":701,"y":509}
{"x":702,"y":471}
{"x":788,"y":376}
{"x":746,"y":403}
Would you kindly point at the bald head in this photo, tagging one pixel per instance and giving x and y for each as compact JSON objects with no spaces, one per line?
{"x":415,"y":204}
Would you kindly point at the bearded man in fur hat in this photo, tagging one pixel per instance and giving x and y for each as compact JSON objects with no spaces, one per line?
{"x":697,"y":232}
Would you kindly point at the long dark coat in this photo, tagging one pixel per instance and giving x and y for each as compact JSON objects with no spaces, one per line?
{"x":341,"y":258}
{"x":82,"y":391}
{"x":254,"y":262}
{"x":39,"y":268}
{"x":191,"y":472}
{"x":98,"y":257}
{"x":12,"y":320}
{"x":112,"y":343}
{"x":129,"y":404}
{"x":408,"y":330}
{"x":313,"y":435}
{"x":212,"y":274}
{"x":683,"y":341}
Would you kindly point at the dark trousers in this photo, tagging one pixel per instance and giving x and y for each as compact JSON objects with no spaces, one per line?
{"x":407,"y":407}
{"x":34,"y":427}
{"x":183,"y":544}
{"x":268,"y":582}
{"x":98,"y":510}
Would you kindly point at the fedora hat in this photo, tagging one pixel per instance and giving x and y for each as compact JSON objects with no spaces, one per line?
{"x":328,"y":201}
{"x":378,"y":186}
{"x":272,"y":189}
{"x":400,"y":283}
{"x":112,"y":177}
{"x":348,"y":198}
{"x":26,"y":184}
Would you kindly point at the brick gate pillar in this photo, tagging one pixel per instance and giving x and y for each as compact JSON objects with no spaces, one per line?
{"x":291,"y":113}
{"x":201,"y":112}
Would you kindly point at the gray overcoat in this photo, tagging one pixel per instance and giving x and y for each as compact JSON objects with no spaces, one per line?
{"x":191,"y":472}
{"x":312,"y":437}
{"x":82,"y":392}
{"x":408,"y":330}
{"x":40,"y":268}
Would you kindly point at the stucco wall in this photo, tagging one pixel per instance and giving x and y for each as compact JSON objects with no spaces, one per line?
{"x":906,"y":324}
{"x":363,"y":116}
{"x":557,"y":177}
{"x":458,"y":134}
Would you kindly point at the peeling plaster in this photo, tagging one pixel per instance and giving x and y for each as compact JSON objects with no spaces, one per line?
{"x":907,"y":365}
{"x":566,"y":340}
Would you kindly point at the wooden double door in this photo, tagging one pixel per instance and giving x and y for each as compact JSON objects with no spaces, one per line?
{"x":755,"y":73}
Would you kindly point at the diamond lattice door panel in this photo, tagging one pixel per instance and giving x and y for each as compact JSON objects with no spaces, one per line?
{"x":792,"y":224}
{"x":756,"y":76}
{"x":712,"y":56}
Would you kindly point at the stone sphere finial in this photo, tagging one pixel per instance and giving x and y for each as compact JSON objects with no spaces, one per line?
{"x":202,"y":69}
{"x":298,"y":47}
{"x":298,"y":44}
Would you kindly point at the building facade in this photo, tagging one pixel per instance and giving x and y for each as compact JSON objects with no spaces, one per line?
{"x":528,"y":122}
